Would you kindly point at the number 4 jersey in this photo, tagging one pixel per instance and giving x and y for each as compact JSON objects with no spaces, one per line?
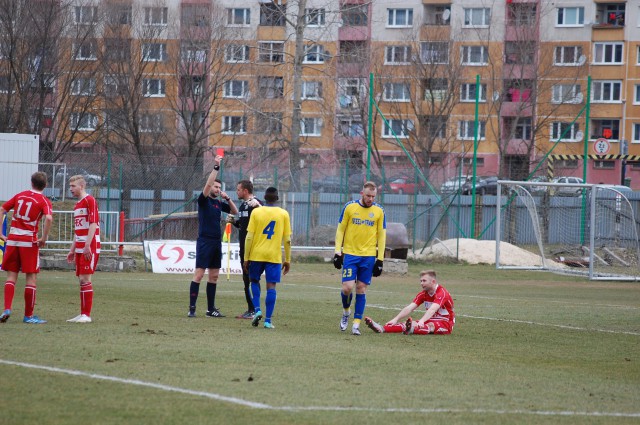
{"x":84,"y":213}
{"x":270,"y":226}
{"x":28,"y":208}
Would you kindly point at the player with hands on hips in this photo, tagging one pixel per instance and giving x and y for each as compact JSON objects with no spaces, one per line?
{"x":359,"y":251}
{"x":439,"y":317}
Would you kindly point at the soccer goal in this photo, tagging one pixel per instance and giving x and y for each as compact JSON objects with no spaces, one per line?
{"x":583,"y":229}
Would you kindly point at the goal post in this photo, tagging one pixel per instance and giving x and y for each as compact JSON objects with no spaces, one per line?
{"x":581,"y":229}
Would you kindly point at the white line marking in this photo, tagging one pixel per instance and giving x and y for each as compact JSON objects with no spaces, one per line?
{"x":526,"y":322}
{"x":624,"y":307}
{"x":255,"y":405}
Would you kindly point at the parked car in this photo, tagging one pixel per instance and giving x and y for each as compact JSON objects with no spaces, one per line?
{"x":538,"y":190}
{"x":332,"y":184}
{"x":485,"y":185}
{"x":90,"y":178}
{"x":453,"y":185}
{"x":567,"y":191}
{"x":403,"y":184}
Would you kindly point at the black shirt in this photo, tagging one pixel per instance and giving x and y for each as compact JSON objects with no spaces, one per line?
{"x":244,"y":213}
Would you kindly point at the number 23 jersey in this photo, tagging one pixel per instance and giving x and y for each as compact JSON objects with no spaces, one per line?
{"x":269,"y":225}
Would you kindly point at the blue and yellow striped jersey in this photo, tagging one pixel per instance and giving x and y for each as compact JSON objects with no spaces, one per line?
{"x":269,"y":226}
{"x":362,"y":231}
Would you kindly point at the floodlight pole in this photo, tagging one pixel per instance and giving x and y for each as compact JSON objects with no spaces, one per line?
{"x":476,"y":130}
{"x":369,"y":126}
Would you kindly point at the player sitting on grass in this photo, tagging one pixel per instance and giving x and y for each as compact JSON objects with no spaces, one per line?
{"x":438,"y":319}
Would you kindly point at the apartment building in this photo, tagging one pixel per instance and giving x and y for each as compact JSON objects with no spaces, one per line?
{"x":286,"y":83}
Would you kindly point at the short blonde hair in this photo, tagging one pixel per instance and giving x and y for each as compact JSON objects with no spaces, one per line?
{"x":430,"y":273}
{"x":77,"y":177}
{"x":369,"y":185}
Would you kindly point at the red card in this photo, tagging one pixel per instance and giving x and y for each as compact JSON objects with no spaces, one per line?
{"x":220,"y":152}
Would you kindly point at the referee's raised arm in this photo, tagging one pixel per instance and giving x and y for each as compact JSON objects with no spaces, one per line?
{"x":214,"y":173}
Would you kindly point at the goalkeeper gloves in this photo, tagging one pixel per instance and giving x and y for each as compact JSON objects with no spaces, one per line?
{"x":377,"y":268}
{"x":337,"y":261}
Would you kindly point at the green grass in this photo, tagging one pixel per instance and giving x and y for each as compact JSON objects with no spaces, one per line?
{"x":524,"y":342}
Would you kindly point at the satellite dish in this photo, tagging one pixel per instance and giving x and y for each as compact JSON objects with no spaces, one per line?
{"x":579,"y":98}
{"x":446,"y":15}
{"x":496,"y":95}
{"x":582,"y":59}
{"x":579,"y":136}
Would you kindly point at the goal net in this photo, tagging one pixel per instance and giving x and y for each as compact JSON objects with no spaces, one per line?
{"x":583,"y":229}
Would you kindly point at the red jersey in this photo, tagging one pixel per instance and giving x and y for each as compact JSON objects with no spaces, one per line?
{"x":84,"y":213}
{"x":441,"y":297}
{"x":28,"y":208}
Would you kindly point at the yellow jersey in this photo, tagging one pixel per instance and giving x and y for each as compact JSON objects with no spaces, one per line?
{"x":269,"y":227}
{"x":362,"y":231}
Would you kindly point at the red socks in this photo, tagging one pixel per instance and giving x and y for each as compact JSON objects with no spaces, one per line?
{"x":86,"y":298}
{"x":9,"y":291}
{"x":29,"y":300}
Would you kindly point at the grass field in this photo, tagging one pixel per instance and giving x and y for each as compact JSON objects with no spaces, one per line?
{"x":528,"y":348}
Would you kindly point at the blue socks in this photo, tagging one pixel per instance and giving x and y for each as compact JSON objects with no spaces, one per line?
{"x":270,"y":303}
{"x":361,"y":303}
{"x":255,"y":292}
{"x":193,"y":294}
{"x":346,"y":300}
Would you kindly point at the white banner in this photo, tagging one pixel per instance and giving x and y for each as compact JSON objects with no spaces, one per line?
{"x":173,"y":256}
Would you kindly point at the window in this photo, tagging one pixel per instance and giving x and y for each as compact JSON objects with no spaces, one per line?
{"x":153,"y":87}
{"x":311,"y":127}
{"x":194,"y":53}
{"x":272,"y":14}
{"x":83,"y":121}
{"x":268,"y":123}
{"x":86,"y":14}
{"x":397,"y":55}
{"x":119,"y":14}
{"x":636,"y":132}
{"x":151,"y":123}
{"x":194,"y":120}
{"x":234,"y":125}
{"x":566,"y":163}
{"x":270,"y":87}
{"x":114,"y":119}
{"x":567,"y":55}
{"x":236,"y":53}
{"x":271,"y":52}
{"x":609,"y":129}
{"x":353,"y":52}
{"x":154,"y":52}
{"x":570,"y":16}
{"x":397,"y":92}
{"x":468,"y":162}
{"x":314,"y":17}
{"x":83,"y":87}
{"x":314,"y":54}
{"x":350,"y":91}
{"x":637,"y":55}
{"x":434,"y":52}
{"x":156,"y":15}
{"x":435,"y":88}
{"x":354,"y":15}
{"x":191,"y":86}
{"x":521,"y":14}
{"x":434,"y":126}
{"x":400,"y":18}
{"x":564,"y":131}
{"x":519,"y":52}
{"x":236,"y":88}
{"x":606,"y":91}
{"x":609,"y":165}
{"x":238,"y":17}
{"x":434,"y":14}
{"x":4,"y":84}
{"x":610,"y":14}
{"x":474,"y":55}
{"x":350,"y":127}
{"x":477,"y":17}
{"x":115,"y":85}
{"x":468,"y":92}
{"x":466,"y":130}
{"x":636,"y":94}
{"x":523,"y":129}
{"x":311,"y":90}
{"x":86,"y":50}
{"x":195,"y":15}
{"x":397,"y":128}
{"x":607,"y":53}
{"x":117,"y":50}
{"x":566,"y":93}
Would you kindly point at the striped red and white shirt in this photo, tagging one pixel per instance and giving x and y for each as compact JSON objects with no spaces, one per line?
{"x":84,"y":213}
{"x":28,"y":208}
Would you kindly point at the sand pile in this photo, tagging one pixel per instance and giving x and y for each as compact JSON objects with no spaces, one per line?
{"x":479,"y":252}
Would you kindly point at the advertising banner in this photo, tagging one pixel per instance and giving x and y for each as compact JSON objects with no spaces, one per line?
{"x":175,"y":256}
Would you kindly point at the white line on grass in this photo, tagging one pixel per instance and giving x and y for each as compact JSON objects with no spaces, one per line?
{"x":526,"y":322}
{"x":255,"y":405}
{"x":624,"y":307}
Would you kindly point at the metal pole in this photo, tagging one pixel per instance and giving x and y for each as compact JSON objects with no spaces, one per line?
{"x":584,"y":161}
{"x":369,"y":125}
{"x":476,"y":130}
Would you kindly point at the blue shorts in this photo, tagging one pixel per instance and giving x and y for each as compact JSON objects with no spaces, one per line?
{"x":272,"y":271}
{"x":357,"y":268}
{"x":208,"y":253}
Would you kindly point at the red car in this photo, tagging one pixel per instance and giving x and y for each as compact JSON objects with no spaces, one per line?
{"x":404,"y":185}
